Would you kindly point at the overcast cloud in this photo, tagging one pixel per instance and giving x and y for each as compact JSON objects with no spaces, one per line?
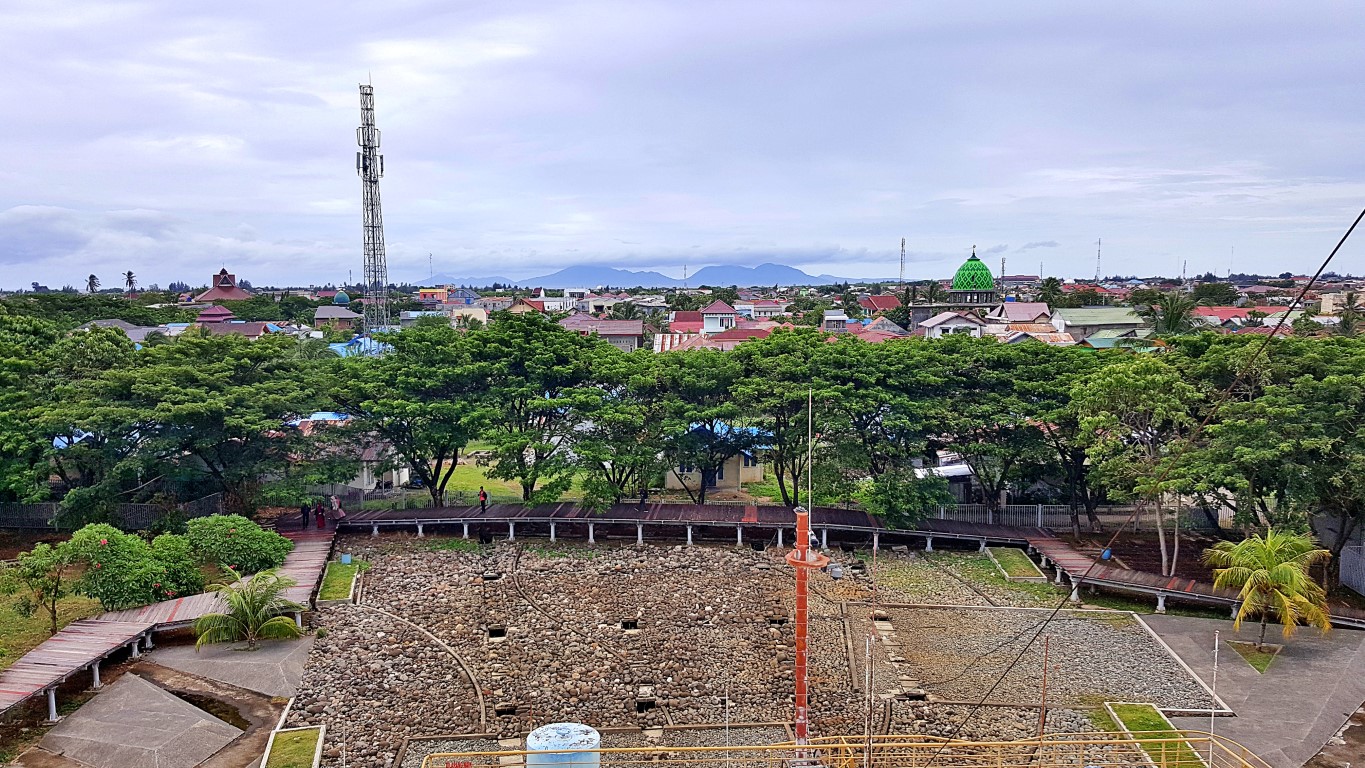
{"x":174,"y":138}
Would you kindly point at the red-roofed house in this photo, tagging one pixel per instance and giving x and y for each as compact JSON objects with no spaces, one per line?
{"x":1020,"y":312}
{"x":882,"y":303}
{"x":1227,"y":317}
{"x":684,"y":322}
{"x":521,"y":306}
{"x":717,"y":318}
{"x":223,"y":287}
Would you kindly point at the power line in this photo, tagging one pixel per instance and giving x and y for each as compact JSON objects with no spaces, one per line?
{"x":1076,"y":583}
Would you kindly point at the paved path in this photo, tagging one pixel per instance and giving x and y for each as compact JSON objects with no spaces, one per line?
{"x":275,"y":668}
{"x":1287,"y":714}
{"x":135,"y":724}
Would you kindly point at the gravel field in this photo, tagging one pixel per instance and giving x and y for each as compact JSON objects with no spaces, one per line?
{"x":619,"y":636}
{"x":1093,"y":656}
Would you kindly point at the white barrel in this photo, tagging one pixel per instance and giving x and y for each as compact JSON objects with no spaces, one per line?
{"x":549,"y":746}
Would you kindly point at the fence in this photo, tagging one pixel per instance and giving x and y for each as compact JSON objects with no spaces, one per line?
{"x":1058,"y":516}
{"x":1353,"y":567}
{"x":43,"y":516}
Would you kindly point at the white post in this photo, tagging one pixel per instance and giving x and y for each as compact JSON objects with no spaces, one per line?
{"x":942,"y":513}
{"x":982,"y":548}
{"x":1160,"y":603}
{"x":779,"y":538}
{"x":1075,"y":591}
{"x":1040,"y":515}
{"x":137,"y":651}
{"x":591,"y":540}
{"x":420,"y":533}
{"x":147,"y":641}
{"x":374,"y":529}
{"x":739,"y":535}
{"x":824,"y":538}
{"x":552,"y":530}
{"x":511,"y":531}
{"x":928,"y":543}
{"x":689,"y":535}
{"x":1058,"y":580}
{"x":466,"y":529}
{"x":298,"y":619}
{"x":876,"y":541}
{"x":1214,"y":690}
{"x":52,"y":705}
{"x":95,"y":672}
{"x":639,"y":534}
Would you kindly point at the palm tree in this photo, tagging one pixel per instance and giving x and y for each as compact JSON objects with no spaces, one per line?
{"x":92,"y":284}
{"x":313,"y":349}
{"x":1350,"y":314}
{"x":1272,"y":574}
{"x":1050,"y":292}
{"x":1173,"y":313}
{"x":933,"y":292}
{"x":155,"y":339}
{"x":256,"y":611}
{"x":130,"y":281}
{"x":626,"y":310}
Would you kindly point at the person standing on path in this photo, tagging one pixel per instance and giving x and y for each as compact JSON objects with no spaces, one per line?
{"x":483,"y":499}
{"x":321,"y":516}
{"x":304,"y":509}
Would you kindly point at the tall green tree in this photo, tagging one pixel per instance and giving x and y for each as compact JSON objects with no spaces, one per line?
{"x":780,"y":376}
{"x":44,"y":576}
{"x":619,"y":437}
{"x":1130,"y":413}
{"x":1271,"y":574}
{"x":539,"y":378}
{"x":1050,"y":292}
{"x":1349,"y":316}
{"x":1172,"y":313}
{"x":705,"y":427}
{"x":423,"y":397}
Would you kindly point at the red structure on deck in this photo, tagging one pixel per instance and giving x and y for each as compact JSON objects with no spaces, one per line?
{"x":803,"y":560}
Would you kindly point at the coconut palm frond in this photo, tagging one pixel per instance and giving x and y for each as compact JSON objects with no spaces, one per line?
{"x":256,"y":610}
{"x":1272,"y":576}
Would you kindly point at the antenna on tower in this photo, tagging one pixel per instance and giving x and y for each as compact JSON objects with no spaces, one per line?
{"x":1098,"y":241}
{"x":431,"y":270}
{"x":684,"y":277}
{"x":369,"y":164}
{"x":1002,"y":277}
{"x":1183,"y":264}
{"x":902,"y":277}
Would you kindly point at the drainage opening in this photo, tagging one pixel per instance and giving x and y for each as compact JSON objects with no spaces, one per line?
{"x":644,"y":705}
{"x":491,"y":576}
{"x":497,"y":633}
{"x":219,"y":709}
{"x":630,"y":624}
{"x":777,"y":621}
{"x":505,"y":710}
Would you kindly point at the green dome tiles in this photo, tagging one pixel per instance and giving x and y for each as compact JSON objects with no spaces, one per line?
{"x":973,"y":276}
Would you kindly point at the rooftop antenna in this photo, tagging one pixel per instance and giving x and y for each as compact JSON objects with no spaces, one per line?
{"x":1098,"y":241}
{"x":1232,"y":254}
{"x":369,"y":164}
{"x":902,"y":278}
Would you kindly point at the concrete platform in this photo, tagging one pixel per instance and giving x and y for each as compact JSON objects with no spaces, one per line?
{"x":135,"y":724}
{"x":1288,"y":713}
{"x":275,"y":668}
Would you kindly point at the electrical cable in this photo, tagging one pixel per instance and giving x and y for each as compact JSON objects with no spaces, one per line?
{"x":1078,"y":582}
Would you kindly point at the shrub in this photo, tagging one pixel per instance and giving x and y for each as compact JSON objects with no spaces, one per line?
{"x":123,"y":571}
{"x":235,"y":542}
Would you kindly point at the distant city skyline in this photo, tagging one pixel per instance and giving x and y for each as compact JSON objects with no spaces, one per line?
{"x":523,"y":137}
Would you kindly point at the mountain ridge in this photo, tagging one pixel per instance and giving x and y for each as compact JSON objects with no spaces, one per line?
{"x":592,"y":276}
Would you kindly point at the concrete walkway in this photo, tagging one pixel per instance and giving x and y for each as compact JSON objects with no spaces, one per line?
{"x":1287,"y":714}
{"x":134,"y":724}
{"x":275,"y":668}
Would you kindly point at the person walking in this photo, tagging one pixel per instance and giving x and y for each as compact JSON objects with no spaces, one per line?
{"x":304,"y":510}
{"x":320,"y":515}
{"x":483,"y":499}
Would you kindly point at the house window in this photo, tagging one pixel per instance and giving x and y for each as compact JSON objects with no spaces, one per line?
{"x":720,"y":472}
{"x":750,"y":461}
{"x":684,"y":469}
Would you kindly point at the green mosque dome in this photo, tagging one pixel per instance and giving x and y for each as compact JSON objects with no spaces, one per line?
{"x":973,"y":276}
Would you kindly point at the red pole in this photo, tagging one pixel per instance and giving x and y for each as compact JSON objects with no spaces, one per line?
{"x":803,"y":560}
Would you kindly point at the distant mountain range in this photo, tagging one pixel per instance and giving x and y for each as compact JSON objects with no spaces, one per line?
{"x":588,"y":276}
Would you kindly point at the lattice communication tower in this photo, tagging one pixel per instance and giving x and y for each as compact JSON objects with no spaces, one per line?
{"x":369,"y":164}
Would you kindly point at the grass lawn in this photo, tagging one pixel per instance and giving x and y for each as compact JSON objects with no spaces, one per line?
{"x":1152,"y":731}
{"x":979,"y":569}
{"x":463,"y":487}
{"x":20,"y":634}
{"x":1015,"y":562}
{"x":294,"y":749}
{"x":1260,"y":659}
{"x":336,"y":583}
{"x":1122,"y":603}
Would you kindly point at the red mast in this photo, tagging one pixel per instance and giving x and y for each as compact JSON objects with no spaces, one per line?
{"x":803,"y":560}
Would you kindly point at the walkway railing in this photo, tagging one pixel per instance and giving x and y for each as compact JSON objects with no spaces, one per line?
{"x":1102,"y":750}
{"x":131,"y":517}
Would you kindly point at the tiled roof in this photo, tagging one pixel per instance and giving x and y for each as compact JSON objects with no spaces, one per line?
{"x":718,"y":308}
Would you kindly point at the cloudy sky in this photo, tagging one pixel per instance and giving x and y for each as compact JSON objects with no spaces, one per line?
{"x":173,"y":138}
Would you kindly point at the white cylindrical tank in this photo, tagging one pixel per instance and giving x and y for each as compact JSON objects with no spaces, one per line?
{"x":549,"y":746}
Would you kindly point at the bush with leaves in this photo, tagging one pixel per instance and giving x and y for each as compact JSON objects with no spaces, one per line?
{"x":901,"y":498}
{"x":237,"y":543}
{"x":123,"y":571}
{"x":43,"y":577}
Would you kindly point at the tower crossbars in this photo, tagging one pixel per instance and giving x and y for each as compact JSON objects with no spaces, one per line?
{"x":369,"y":164}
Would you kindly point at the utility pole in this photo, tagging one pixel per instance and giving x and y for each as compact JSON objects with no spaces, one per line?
{"x":1098,"y":241}
{"x":369,"y":165}
{"x":902,"y":276}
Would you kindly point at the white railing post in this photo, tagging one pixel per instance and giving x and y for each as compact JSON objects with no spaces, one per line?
{"x":511,"y":531}
{"x":552,"y":530}
{"x":1040,"y":515}
{"x":591,"y":540}
{"x":639,"y":534}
